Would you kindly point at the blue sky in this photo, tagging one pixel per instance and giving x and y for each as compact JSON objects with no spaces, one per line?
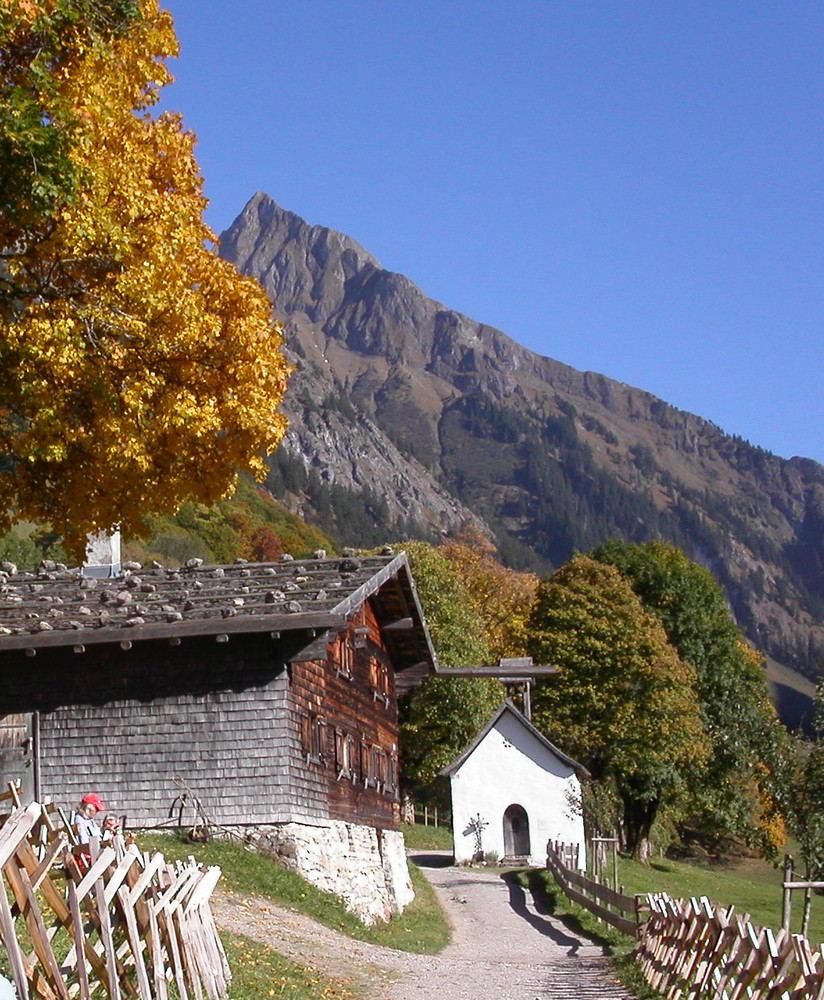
{"x":633,"y":187}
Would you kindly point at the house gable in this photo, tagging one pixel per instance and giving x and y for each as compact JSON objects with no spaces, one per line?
{"x":518,"y":729}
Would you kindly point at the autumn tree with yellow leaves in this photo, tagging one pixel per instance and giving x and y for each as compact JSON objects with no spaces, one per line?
{"x":137,"y":369}
{"x":503,"y":596}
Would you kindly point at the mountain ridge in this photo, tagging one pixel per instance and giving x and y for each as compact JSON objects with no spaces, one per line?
{"x":447,"y":420}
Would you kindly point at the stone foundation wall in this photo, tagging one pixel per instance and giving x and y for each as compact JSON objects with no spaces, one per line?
{"x":364,"y":865}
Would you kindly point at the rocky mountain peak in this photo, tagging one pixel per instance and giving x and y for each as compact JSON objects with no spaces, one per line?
{"x":310,"y":266}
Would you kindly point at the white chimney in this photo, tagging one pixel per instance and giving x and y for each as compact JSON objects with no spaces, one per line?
{"x":102,"y":555}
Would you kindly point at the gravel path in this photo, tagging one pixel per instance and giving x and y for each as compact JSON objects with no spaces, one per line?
{"x":503,"y":947}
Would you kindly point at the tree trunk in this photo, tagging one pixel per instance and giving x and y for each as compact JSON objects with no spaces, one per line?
{"x":639,"y":815}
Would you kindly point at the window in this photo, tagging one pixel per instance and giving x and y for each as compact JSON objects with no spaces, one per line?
{"x":379,"y":678}
{"x":392,"y":771}
{"x":364,"y":763}
{"x":344,"y":657}
{"x":313,"y":734}
{"x":377,"y":767}
{"x":345,"y":755}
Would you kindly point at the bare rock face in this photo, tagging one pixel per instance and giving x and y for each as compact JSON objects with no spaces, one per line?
{"x":449,"y":421}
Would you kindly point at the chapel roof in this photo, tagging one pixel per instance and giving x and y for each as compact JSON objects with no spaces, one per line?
{"x":508,"y":707}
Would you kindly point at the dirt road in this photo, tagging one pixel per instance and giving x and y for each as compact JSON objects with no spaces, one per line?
{"x":503,"y":948}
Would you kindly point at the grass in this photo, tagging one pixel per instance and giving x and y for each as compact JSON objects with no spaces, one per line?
{"x":427,"y":838}
{"x":421,"y":928}
{"x":258,"y":973}
{"x":752,"y":886}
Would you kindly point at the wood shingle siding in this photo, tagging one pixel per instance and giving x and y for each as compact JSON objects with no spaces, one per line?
{"x":206,"y":716}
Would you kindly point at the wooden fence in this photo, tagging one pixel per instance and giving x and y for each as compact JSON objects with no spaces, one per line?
{"x":613,"y":907}
{"x":693,"y":948}
{"x":103,"y":921}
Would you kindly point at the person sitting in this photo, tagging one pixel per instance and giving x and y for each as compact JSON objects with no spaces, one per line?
{"x":83,"y":819}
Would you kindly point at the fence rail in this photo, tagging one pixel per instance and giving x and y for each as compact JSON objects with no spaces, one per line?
{"x":101,"y":920}
{"x":613,"y":907}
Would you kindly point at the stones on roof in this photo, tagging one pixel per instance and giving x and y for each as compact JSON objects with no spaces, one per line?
{"x":152,"y":594}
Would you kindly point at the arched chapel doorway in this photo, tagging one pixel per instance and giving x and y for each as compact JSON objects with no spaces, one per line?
{"x":516,"y":832}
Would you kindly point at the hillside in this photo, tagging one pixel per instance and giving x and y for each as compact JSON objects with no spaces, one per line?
{"x":408,"y":418}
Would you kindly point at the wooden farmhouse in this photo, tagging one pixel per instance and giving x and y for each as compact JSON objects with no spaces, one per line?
{"x":512,"y":791}
{"x":256,"y":697}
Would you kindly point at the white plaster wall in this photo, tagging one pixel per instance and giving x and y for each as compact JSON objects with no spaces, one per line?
{"x":365,"y":866}
{"x":510,"y":766}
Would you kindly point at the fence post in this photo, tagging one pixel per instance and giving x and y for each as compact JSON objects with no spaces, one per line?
{"x":787,"y":898}
{"x":805,"y":920}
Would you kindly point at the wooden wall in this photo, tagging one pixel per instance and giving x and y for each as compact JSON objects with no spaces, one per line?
{"x":228,"y":722}
{"x":350,"y":698}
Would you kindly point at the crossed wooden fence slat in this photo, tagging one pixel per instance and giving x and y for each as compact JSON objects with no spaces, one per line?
{"x":696,"y":950}
{"x":127,"y":925}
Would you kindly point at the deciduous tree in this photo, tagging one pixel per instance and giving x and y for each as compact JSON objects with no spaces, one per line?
{"x":806,"y":804}
{"x":445,"y":714}
{"x":136,"y":368}
{"x":623,"y":702}
{"x":503,"y":596}
{"x":738,"y":790}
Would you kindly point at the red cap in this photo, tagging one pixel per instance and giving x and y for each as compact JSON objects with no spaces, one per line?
{"x":94,"y":800}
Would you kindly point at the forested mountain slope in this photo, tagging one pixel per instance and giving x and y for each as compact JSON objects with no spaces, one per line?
{"x":410,"y":418}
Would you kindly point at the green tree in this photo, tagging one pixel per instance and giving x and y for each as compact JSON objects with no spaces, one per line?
{"x":806,"y":806}
{"x":738,"y":790}
{"x":623,"y":702}
{"x":439,"y":719}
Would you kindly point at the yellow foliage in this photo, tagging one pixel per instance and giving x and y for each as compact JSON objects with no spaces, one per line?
{"x":149,"y":371}
{"x":504,"y":597}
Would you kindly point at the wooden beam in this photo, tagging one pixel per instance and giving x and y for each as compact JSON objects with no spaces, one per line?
{"x":401,"y":625}
{"x":502,"y":673}
{"x":511,"y":668}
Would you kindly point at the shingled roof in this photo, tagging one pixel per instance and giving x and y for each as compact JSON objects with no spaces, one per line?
{"x":56,"y":606}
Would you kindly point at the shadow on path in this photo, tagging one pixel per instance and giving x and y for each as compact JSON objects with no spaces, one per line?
{"x":549,"y":928}
{"x":441,"y":859}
